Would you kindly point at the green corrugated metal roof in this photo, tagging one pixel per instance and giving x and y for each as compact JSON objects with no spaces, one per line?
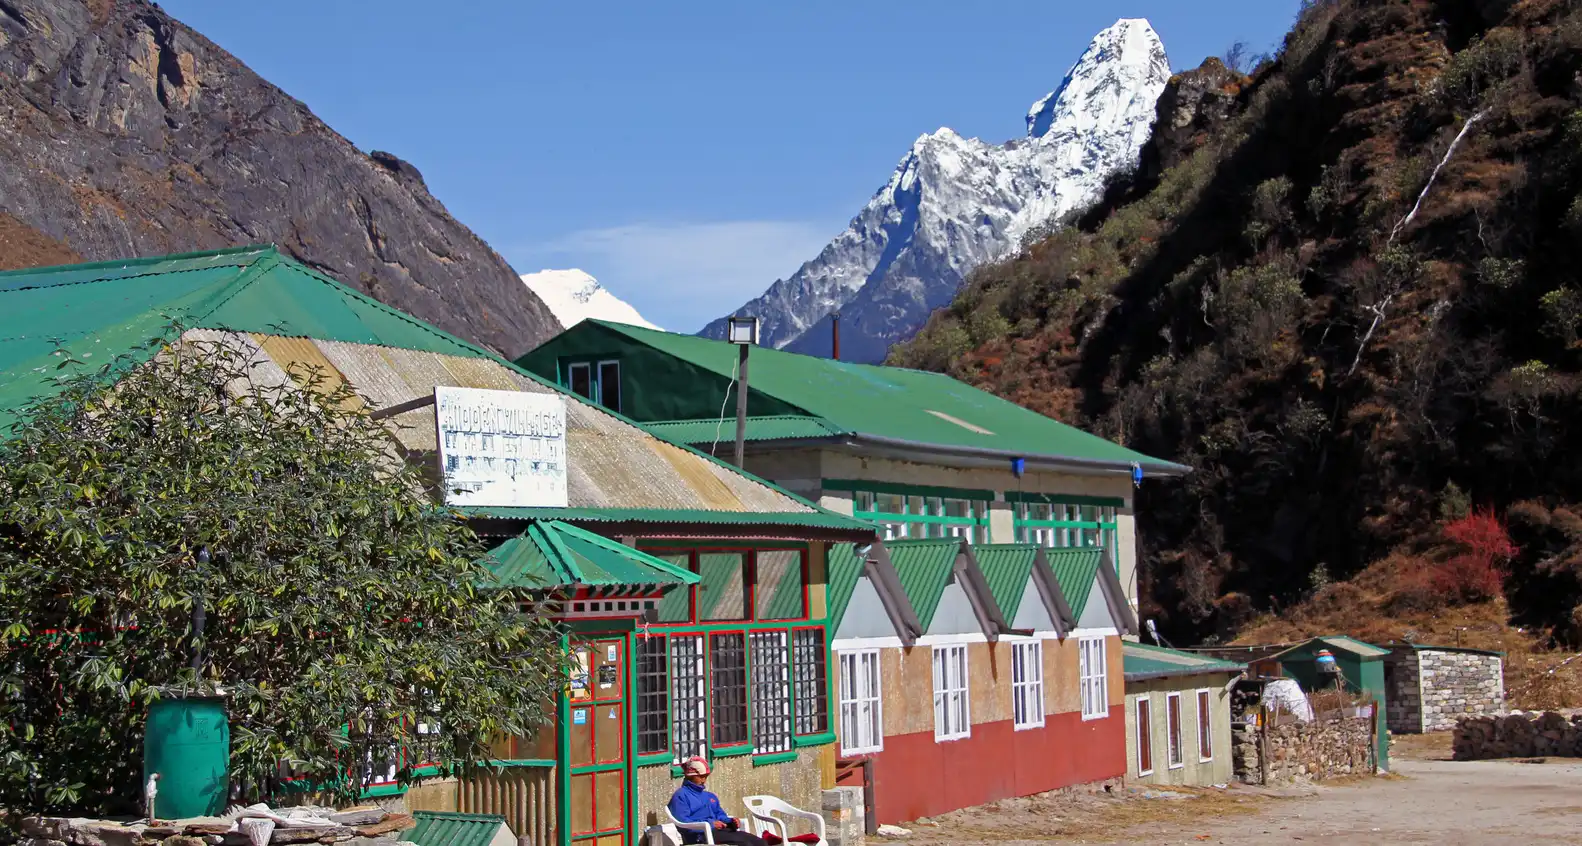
{"x":1007,"y":567}
{"x":1341,"y":642}
{"x":844,"y":568}
{"x":101,"y":310}
{"x":554,"y":554}
{"x":1075,"y":570}
{"x":799,"y":519}
{"x":924,"y":567}
{"x":438,"y":828}
{"x":1152,"y":662}
{"x":895,"y":403}
{"x":768,"y":428}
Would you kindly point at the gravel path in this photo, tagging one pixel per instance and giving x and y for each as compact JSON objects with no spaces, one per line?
{"x":1428,"y":801}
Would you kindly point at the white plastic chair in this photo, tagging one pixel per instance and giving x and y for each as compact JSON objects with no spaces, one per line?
{"x":764,"y":810}
{"x":706,"y":827}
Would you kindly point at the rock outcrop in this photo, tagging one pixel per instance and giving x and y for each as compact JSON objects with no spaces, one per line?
{"x":125,"y":133}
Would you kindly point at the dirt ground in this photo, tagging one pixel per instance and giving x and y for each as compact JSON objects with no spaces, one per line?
{"x":1429,"y":799}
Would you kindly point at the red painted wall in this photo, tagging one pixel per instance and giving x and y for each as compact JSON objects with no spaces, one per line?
{"x":916,"y":777}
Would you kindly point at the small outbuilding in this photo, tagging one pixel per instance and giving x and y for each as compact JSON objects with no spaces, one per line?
{"x":1359,"y":667}
{"x":1428,"y":688}
{"x":1178,"y":727}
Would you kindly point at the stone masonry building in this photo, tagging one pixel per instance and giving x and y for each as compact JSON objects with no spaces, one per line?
{"x":1428,"y":688}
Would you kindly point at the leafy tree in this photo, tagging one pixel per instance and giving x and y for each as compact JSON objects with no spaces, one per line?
{"x":340,"y":606}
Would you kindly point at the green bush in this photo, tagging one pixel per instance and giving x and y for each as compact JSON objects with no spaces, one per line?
{"x":337,"y":595}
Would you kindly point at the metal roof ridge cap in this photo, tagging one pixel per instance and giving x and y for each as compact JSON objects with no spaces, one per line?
{"x":240,"y":283}
{"x":1115,"y":594}
{"x":653,"y":561}
{"x":887,"y":583}
{"x":568,"y":563}
{"x":127,"y":262}
{"x":989,"y":615}
{"x":1167,"y":468}
{"x":1054,"y":598}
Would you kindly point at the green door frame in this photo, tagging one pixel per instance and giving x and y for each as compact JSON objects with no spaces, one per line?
{"x":616,"y":629}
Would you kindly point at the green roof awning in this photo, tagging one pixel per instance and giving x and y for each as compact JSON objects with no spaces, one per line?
{"x":555,"y":554}
{"x":1007,"y":568}
{"x":1075,"y":569}
{"x":1143,"y":662}
{"x":924,"y":567}
{"x":439,"y":828}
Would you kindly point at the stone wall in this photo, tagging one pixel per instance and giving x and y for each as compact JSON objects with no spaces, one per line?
{"x":1403,"y":710}
{"x":1518,"y":735}
{"x":1246,"y":753}
{"x":1302,"y":752}
{"x":1459,"y":684}
{"x":367,"y":826}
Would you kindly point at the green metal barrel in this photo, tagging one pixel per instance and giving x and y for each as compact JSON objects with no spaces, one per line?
{"x":188,"y":743}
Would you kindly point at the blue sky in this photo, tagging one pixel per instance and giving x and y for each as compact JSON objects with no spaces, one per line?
{"x":686,"y":153}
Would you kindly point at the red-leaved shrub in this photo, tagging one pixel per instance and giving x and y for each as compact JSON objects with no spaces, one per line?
{"x":1477,"y":570}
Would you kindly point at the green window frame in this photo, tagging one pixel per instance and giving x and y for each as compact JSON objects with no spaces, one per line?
{"x":916,"y":511}
{"x":1056,"y":522}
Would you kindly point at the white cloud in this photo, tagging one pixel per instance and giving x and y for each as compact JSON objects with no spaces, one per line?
{"x":682,"y":275}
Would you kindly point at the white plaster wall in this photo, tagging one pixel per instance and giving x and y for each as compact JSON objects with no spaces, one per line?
{"x":1032,"y":614}
{"x":954,"y":614}
{"x":865,"y":615}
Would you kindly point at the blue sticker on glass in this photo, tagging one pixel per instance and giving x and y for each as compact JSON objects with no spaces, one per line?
{"x":580,"y":716}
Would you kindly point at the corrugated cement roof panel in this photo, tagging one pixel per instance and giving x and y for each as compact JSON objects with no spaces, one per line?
{"x":924,"y":567}
{"x":1075,"y":570}
{"x":440,"y":828}
{"x":1007,"y":568}
{"x":896,"y":403}
{"x":1151,"y":662}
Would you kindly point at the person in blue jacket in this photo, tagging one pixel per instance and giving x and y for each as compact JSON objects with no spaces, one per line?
{"x":692,"y":803}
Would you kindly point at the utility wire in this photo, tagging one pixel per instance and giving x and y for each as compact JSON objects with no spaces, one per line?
{"x":723,"y":403}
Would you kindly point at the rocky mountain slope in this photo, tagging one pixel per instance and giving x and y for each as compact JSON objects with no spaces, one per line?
{"x":1349,"y":292}
{"x":123,"y":132}
{"x":954,"y":203}
{"x":574,"y":296}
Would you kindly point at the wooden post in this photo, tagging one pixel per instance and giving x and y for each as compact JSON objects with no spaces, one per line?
{"x":741,"y":407}
{"x":1263,"y":744}
{"x":870,"y":821}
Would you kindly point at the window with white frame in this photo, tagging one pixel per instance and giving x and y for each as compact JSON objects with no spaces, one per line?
{"x":861,"y":708}
{"x":1027,"y":684}
{"x":952,"y":717}
{"x":1173,"y":730}
{"x":689,"y":719}
{"x":1094,"y":678}
{"x":1205,"y":725}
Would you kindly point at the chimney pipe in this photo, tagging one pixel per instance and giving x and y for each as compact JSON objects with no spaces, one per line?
{"x":834,"y":328}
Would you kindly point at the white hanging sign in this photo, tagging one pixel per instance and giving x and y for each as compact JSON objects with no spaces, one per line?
{"x":505,"y":448}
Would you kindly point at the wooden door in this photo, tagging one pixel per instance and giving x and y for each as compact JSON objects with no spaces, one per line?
{"x":598,"y":747}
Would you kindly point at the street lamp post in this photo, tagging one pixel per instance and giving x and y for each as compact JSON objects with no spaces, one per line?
{"x":743,"y":332}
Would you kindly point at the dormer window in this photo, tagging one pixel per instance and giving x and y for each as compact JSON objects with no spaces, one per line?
{"x":597,"y":381}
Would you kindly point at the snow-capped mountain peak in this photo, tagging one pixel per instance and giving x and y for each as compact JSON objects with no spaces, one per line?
{"x":953,"y":203}
{"x":574,"y":296}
